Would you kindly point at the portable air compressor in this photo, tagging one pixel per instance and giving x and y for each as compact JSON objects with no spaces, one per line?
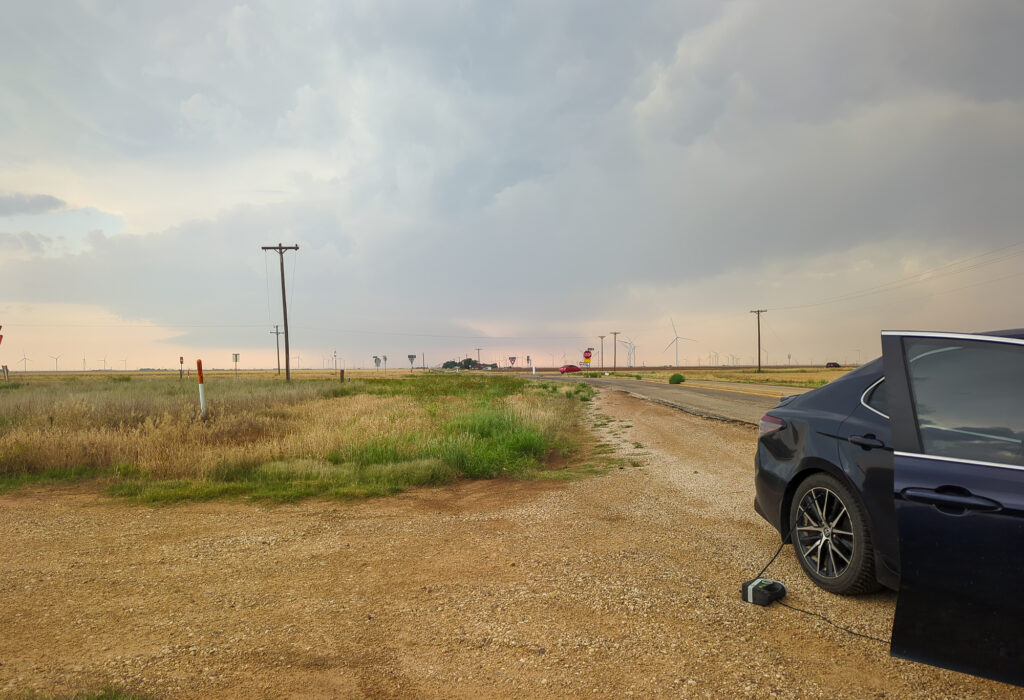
{"x":762,"y":591}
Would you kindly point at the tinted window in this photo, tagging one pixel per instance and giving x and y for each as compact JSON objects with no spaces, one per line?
{"x":878,"y":399}
{"x":969,"y":398}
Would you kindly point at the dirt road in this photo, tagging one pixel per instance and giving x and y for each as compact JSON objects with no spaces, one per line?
{"x":744,"y":403}
{"x":627,"y":583}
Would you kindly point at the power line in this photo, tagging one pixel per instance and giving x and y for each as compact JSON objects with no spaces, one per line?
{"x":266,"y":270}
{"x":917,"y":278}
{"x":353,"y":331}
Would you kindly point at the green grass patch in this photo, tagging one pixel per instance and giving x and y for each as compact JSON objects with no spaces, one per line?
{"x":289,"y":481}
{"x":426,"y":430}
{"x":49,"y":477}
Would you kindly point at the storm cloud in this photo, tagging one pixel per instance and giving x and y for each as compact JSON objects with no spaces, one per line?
{"x":515,"y":169}
{"x":13,"y":203}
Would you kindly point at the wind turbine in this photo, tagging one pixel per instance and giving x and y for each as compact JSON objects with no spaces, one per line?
{"x":630,"y":351}
{"x":676,"y":340}
{"x":24,"y":362}
{"x":55,"y":358}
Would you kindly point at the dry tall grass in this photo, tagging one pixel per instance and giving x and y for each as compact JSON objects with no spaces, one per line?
{"x":435,"y":428}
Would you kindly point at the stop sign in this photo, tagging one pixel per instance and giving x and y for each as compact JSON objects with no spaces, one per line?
{"x":587,"y":354}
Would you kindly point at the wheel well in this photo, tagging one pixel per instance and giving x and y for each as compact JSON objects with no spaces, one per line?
{"x":807,"y":470}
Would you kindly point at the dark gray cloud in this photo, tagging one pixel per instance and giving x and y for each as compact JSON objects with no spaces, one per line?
{"x":443,"y":163}
{"x":24,"y":242}
{"x":15,"y":203}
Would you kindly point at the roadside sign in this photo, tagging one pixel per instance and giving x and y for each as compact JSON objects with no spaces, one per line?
{"x":511,"y":362}
{"x":587,"y":354}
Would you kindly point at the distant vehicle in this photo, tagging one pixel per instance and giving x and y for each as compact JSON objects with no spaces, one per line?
{"x":568,"y":368}
{"x":831,"y":365}
{"x":909,"y":472}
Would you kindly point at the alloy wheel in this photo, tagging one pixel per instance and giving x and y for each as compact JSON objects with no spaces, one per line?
{"x":824,"y":532}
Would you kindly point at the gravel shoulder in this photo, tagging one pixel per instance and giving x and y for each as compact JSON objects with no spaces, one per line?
{"x":627,"y":583}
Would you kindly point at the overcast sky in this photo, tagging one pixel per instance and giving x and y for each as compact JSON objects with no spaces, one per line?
{"x":520,"y":177}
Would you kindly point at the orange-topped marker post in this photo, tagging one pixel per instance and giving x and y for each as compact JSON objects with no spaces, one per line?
{"x":202,"y":391}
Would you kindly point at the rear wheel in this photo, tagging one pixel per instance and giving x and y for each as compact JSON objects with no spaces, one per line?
{"x":831,"y":536}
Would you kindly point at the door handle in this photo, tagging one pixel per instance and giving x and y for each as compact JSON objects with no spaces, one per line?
{"x":866,"y":441}
{"x":963,"y":502}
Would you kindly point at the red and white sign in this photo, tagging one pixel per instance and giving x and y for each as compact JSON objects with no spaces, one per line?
{"x":587,"y":354}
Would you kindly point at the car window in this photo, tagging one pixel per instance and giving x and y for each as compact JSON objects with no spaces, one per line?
{"x":878,"y":398}
{"x":969,"y":398}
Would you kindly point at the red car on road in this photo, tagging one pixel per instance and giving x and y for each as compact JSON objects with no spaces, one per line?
{"x":568,"y":368}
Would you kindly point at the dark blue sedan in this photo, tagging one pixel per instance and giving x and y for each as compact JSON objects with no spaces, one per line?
{"x":909,"y":472}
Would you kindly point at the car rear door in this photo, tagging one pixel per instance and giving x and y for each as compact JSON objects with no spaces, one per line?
{"x":957,"y":417}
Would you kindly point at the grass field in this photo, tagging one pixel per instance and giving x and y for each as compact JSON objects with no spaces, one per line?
{"x":141,"y":435}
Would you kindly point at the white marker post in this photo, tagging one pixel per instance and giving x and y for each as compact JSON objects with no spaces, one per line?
{"x":202,"y":391}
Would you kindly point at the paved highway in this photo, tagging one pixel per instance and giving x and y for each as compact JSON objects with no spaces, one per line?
{"x":744,"y":403}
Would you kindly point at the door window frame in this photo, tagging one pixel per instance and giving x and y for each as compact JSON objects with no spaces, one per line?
{"x":903,"y":416}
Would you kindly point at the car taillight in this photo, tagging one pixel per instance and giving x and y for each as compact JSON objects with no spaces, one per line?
{"x":768,"y":424}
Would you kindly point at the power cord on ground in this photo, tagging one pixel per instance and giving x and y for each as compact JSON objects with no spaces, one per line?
{"x":808,"y":612}
{"x":844,"y":629}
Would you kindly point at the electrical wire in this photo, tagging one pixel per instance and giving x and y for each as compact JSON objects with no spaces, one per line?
{"x":844,"y":629}
{"x":350,"y":331}
{"x":810,"y":612}
{"x":266,"y":271}
{"x":925,"y":276}
{"x":291,"y":292}
{"x":772,"y":560}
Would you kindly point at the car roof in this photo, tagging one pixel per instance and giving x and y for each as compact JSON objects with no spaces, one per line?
{"x":1009,"y":333}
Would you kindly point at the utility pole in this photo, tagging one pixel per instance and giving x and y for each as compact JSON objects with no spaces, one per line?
{"x":280,"y":249}
{"x":615,"y":349}
{"x":759,"y":312}
{"x":602,"y":350}
{"x":478,"y":356}
{"x":277,"y":337}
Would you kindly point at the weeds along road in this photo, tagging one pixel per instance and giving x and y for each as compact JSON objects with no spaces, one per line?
{"x":733,"y":401}
{"x":624,"y":583}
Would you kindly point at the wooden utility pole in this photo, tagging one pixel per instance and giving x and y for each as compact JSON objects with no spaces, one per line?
{"x":277,"y":337}
{"x":280,"y":249}
{"x":759,"y":312}
{"x":615,"y":349}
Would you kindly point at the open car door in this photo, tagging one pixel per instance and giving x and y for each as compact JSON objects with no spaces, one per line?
{"x":957,"y":412}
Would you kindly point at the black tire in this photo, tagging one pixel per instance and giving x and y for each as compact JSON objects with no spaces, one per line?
{"x":831,"y":536}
